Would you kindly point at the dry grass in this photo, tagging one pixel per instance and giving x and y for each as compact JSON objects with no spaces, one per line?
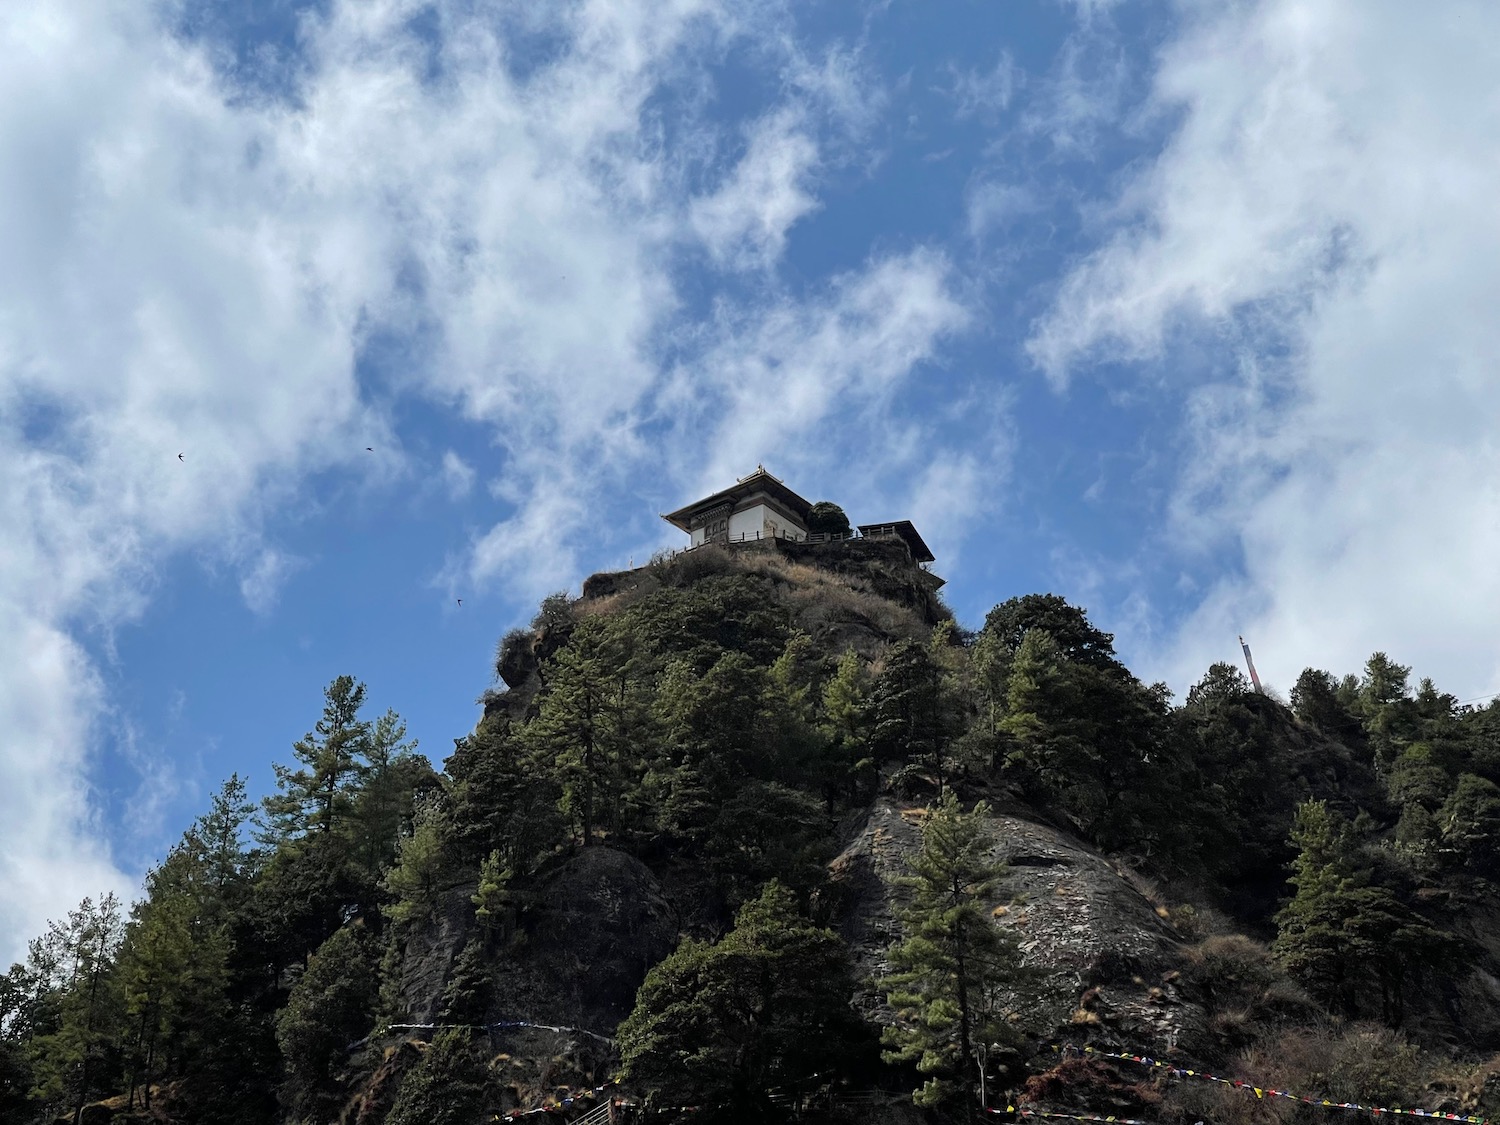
{"x":839,"y":610}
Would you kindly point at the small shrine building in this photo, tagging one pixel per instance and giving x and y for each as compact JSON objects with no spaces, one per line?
{"x":761,"y":506}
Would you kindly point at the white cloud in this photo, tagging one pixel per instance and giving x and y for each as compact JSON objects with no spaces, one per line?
{"x":1085,"y":90}
{"x":193,"y":267}
{"x":746,"y":220}
{"x":993,"y":205}
{"x":458,"y":475}
{"x":986,"y":94}
{"x":1322,"y":221}
{"x":779,"y":377}
{"x":262,"y":583}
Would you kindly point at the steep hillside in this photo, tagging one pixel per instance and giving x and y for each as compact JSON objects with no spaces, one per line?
{"x":762,"y":833}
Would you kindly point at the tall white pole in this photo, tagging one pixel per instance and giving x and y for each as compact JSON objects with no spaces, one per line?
{"x":1254,"y":679}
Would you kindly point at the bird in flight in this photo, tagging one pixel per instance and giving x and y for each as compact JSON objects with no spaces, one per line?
{"x":369,"y":449}
{"x":460,"y":601}
{"x":181,"y":458}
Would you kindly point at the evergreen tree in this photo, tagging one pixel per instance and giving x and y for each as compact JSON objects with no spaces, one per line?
{"x":447,"y":1087}
{"x":1344,"y":936}
{"x":579,"y":726}
{"x":827,"y":518}
{"x":174,"y":966}
{"x":501,"y":800}
{"x":390,"y":779}
{"x":1316,"y":701}
{"x":77,"y":958}
{"x":1076,"y":637}
{"x":414,"y":880}
{"x":721,"y":1025}
{"x":470,"y":987}
{"x":319,"y":797}
{"x":954,"y":964}
{"x":1386,"y":707}
{"x":908,"y":724}
{"x":331,"y":1007}
{"x":1047,"y":751}
{"x":1469,"y":825}
{"x":845,"y":727}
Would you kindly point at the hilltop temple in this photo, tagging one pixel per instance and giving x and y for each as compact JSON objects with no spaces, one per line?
{"x":761,"y":507}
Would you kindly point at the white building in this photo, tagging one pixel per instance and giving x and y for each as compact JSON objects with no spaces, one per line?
{"x":756,"y":507}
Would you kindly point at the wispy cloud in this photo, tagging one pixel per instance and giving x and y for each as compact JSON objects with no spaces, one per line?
{"x":1320,"y":232}
{"x":458,"y":475}
{"x":746,"y":219}
{"x":985,"y":93}
{"x":262,"y":583}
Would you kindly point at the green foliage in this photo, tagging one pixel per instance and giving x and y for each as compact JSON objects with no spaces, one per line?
{"x":907,"y":720}
{"x":1081,"y":733}
{"x":768,"y":831}
{"x":495,"y":900}
{"x":447,"y":1087}
{"x":319,"y":798}
{"x":555,"y":613}
{"x":688,"y":720}
{"x":420,"y":868}
{"x":1226,"y":763}
{"x":1344,"y":936}
{"x":720,"y":1025}
{"x":390,"y":781}
{"x":470,"y":987}
{"x":1076,"y":638}
{"x":1469,"y":825}
{"x":588,"y":723}
{"x":955,"y":964}
{"x":302,"y":896}
{"x":827,"y":518}
{"x":69,"y":1051}
{"x":500,"y":801}
{"x":331,"y":1007}
{"x":1317,"y":701}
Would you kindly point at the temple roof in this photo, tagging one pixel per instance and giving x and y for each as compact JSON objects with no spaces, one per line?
{"x":758,"y":481}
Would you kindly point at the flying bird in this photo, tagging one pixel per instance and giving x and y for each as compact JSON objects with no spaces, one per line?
{"x":180,"y":458}
{"x":460,"y":601}
{"x":369,"y":449}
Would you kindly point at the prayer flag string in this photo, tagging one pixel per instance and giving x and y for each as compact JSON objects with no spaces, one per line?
{"x":1262,"y":1091}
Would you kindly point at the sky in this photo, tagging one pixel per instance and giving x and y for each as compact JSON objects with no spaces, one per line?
{"x":316,"y":317}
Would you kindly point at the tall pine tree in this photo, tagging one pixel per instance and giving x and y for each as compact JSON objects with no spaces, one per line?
{"x":955,"y":964}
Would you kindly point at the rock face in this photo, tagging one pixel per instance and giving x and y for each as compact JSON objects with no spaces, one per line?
{"x":1100,"y":950}
{"x":599,"y":921}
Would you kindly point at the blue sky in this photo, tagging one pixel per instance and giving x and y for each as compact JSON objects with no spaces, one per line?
{"x":1186,"y":312}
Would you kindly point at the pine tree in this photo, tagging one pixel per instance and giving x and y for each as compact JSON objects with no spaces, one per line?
{"x":1049,"y":750}
{"x":845,"y":728}
{"x":501,"y":800}
{"x":447,"y":1087}
{"x":389,"y":781}
{"x":955,"y":963}
{"x":574,"y":727}
{"x":78,"y":959}
{"x":1343,"y":935}
{"x":319,"y":798}
{"x":331,"y":1006}
{"x":719,"y":1025}
{"x":1469,"y":823}
{"x":908,"y":722}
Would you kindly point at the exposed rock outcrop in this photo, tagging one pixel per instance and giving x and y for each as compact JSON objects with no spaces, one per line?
{"x":595,"y":925}
{"x":1097,"y":944}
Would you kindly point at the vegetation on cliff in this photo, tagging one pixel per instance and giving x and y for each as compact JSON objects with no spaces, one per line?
{"x":700,"y":738}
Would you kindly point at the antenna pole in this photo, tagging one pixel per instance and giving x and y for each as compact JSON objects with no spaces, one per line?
{"x":1249,"y":663}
